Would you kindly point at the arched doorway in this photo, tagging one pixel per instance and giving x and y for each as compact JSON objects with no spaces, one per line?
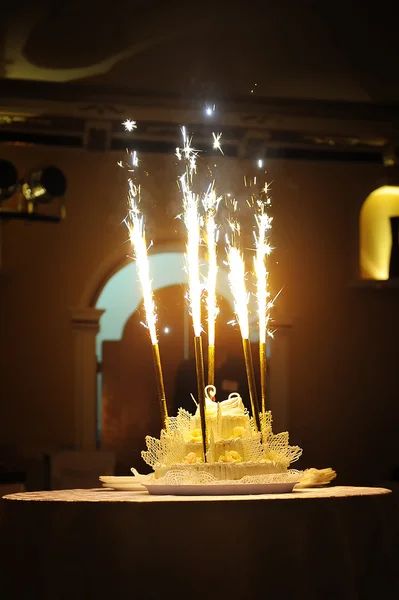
{"x":102,"y":315}
{"x":127,"y":403}
{"x":130,"y":409}
{"x":375,"y":232}
{"x":118,"y":302}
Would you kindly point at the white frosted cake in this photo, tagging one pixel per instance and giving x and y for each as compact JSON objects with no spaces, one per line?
{"x":235,"y":448}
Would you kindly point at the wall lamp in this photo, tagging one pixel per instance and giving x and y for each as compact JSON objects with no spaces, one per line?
{"x":41,"y":186}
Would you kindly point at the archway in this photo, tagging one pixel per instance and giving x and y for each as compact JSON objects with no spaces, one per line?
{"x":114,"y":306}
{"x":375,"y":232}
{"x":121,"y":294}
{"x":130,"y":408}
{"x":120,"y":299}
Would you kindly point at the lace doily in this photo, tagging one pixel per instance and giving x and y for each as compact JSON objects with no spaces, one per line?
{"x":172,"y":447}
{"x":175,"y":477}
{"x":232,"y":435}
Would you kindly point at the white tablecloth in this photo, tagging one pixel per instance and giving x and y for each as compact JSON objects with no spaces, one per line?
{"x":338,"y":543}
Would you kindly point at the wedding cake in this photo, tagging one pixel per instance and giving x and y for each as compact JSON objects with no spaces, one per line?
{"x":235,"y":449}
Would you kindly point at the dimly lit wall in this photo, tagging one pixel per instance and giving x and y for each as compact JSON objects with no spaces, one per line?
{"x":344,"y":375}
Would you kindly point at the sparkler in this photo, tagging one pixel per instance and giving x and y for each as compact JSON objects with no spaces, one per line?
{"x":136,"y":227}
{"x":211,"y":203}
{"x":192,"y":222}
{"x":263,"y":249}
{"x":240,"y":296}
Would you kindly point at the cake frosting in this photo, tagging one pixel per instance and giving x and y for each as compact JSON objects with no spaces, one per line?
{"x":226,"y":419}
{"x":235,"y":449}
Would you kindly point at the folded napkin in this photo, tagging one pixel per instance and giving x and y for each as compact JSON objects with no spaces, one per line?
{"x":316,"y":477}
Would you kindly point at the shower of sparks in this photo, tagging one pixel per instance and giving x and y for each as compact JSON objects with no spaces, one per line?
{"x":263,"y":249}
{"x":238,"y":288}
{"x":188,"y":153}
{"x":136,"y":227}
{"x":129,"y":125}
{"x":178,"y":153}
{"x":135,"y":160}
{"x":241,"y":298}
{"x":192,"y":222}
{"x":211,"y":203}
{"x":216,"y":142}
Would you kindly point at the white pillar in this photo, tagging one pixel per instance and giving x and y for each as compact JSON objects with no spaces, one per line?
{"x":85,"y":326}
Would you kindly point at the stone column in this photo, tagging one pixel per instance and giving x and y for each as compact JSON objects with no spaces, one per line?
{"x":85,"y":326}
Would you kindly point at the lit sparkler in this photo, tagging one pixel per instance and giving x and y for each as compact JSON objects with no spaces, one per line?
{"x":211,"y":202}
{"x":192,"y":222}
{"x":240,"y":296}
{"x":263,"y":249}
{"x":136,"y":227}
{"x":193,"y":226}
{"x":129,"y":125}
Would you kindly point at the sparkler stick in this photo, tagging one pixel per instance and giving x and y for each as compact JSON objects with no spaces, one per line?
{"x":240,"y":296}
{"x":192,"y":222}
{"x":135,"y":225}
{"x":210,"y":204}
{"x":160,"y":384}
{"x":211,"y":364}
{"x":263,"y":375}
{"x":199,"y":368}
{"x":263,"y":222}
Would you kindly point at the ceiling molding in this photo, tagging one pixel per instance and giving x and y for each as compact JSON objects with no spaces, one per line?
{"x":59,"y":114}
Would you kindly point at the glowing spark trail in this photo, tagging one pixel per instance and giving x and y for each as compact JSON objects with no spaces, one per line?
{"x":211,"y":203}
{"x":135,"y":225}
{"x":192,"y":222}
{"x":240,"y":296}
{"x":135,"y":160}
{"x":263,"y":249}
{"x":238,"y":289}
{"x":189,"y":154}
{"x":216,"y":142}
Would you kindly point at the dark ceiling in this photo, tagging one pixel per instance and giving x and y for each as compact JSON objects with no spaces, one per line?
{"x":296,"y":49}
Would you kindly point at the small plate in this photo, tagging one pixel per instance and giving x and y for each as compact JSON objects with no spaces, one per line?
{"x":116,"y":479}
{"x":228,"y":489}
{"x":125,"y":487}
{"x":122,"y":484}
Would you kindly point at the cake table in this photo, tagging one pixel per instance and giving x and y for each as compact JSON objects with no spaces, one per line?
{"x":336,"y":542}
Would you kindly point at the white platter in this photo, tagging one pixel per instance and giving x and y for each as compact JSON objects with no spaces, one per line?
{"x":228,"y":489}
